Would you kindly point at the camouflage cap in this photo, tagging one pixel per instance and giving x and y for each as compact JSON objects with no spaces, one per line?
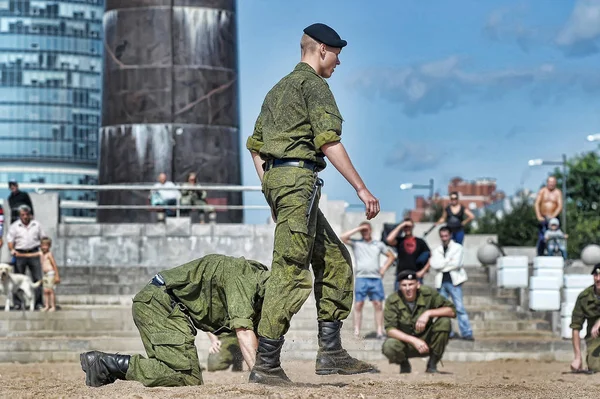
{"x":326,"y":35}
{"x":596,"y":269}
{"x":407,"y":275}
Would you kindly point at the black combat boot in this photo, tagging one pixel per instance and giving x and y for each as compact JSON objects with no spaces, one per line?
{"x":432,"y":364}
{"x":103,"y":368}
{"x":405,"y":367}
{"x":332,"y":358}
{"x":267,"y":369}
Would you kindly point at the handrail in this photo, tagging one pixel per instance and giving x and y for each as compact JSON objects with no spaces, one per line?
{"x":134,"y":187}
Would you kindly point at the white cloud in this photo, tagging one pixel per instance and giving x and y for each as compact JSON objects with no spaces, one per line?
{"x":580,"y":36}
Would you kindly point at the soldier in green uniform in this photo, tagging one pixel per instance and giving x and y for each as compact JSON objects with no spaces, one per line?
{"x":224,"y":352}
{"x":298,"y":126}
{"x":587,"y":308}
{"x":417,"y":321}
{"x":216,"y":293}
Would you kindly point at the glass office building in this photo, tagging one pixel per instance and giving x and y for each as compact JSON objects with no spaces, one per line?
{"x":50,"y":93}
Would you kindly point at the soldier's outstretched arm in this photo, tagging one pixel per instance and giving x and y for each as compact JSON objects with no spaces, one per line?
{"x":248,"y":345}
{"x":336,"y":153}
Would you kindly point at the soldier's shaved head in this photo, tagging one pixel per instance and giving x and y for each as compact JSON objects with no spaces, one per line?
{"x":308,"y":45}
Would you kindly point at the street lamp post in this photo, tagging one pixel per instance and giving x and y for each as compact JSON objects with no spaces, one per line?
{"x":593,"y":137}
{"x":411,"y":186}
{"x":540,"y":162}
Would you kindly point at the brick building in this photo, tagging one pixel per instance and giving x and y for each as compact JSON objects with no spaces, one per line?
{"x":473,"y":194}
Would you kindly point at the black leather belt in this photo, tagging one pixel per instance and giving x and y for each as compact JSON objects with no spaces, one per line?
{"x":27,"y":251}
{"x":298,"y":163}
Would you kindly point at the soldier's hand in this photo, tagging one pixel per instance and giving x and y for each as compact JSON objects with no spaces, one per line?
{"x":596,"y":330}
{"x":420,"y":346}
{"x":371,"y":203}
{"x":576,"y":364}
{"x":422,"y":322}
{"x":215,"y":347}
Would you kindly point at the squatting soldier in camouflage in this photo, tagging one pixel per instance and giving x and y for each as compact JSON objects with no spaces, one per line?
{"x":417,"y":321}
{"x":216,"y":293}
{"x":587,"y":308}
{"x":224,"y":352}
{"x":298,"y":126}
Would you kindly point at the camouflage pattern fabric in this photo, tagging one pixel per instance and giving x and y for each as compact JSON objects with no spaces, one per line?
{"x":587,"y":308}
{"x":168,"y":338}
{"x":300,"y":242}
{"x":229,"y":355}
{"x":398,"y":315}
{"x":298,"y":116}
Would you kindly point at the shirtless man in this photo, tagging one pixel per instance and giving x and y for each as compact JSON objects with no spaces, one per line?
{"x":548,"y":205}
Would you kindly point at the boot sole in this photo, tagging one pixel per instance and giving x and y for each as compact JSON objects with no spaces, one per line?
{"x":345,"y":372}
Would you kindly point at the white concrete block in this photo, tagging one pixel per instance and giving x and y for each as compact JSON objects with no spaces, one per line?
{"x":512,"y":277}
{"x":570,"y":294}
{"x":542,"y":272}
{"x":566,"y":309}
{"x":553,"y":262}
{"x":545,"y":283}
{"x":578,"y":280}
{"x":513,"y":262}
{"x":544,"y":299}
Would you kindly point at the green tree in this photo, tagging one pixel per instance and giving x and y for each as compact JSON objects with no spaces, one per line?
{"x":583,"y":197}
{"x":515,"y":228}
{"x":434,"y":213}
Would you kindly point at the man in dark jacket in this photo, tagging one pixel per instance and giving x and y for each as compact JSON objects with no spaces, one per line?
{"x":16,"y":199}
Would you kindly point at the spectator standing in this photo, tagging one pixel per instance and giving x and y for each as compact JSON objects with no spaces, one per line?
{"x":456,"y":217}
{"x":368,"y":274}
{"x":163,"y":194}
{"x":51,"y":276}
{"x":413,"y":252}
{"x":447,"y":260}
{"x":24,"y":239}
{"x":16,"y":199}
{"x":548,"y":205}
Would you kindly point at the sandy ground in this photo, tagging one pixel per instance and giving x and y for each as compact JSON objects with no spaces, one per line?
{"x":498,"y":379}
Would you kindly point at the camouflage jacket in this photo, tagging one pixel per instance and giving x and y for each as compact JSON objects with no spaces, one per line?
{"x":221,"y":293}
{"x":299,"y":115}
{"x":587,"y":308}
{"x":398,"y":315}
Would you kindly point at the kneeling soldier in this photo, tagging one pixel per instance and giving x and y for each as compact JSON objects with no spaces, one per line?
{"x":587,"y":308}
{"x":216,"y":293}
{"x":417,"y":322}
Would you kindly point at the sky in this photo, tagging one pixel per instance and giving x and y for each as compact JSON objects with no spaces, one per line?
{"x":460,"y":88}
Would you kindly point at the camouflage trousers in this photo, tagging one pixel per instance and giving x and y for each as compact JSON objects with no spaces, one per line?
{"x":168,"y":337}
{"x":229,"y":355}
{"x":299,"y":242}
{"x":593,"y":354}
{"x":436,"y":336}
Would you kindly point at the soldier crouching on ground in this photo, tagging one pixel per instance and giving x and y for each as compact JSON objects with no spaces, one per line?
{"x":216,"y":294}
{"x":417,"y":321}
{"x":587,"y":308}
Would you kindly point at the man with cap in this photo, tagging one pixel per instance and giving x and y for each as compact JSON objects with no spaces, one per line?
{"x":16,"y":199}
{"x":298,"y":127}
{"x":217,"y":294}
{"x":417,"y":322}
{"x":587,"y":308}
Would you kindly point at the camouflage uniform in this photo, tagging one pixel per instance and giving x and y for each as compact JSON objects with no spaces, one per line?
{"x":587,"y":308}
{"x":299,"y":116}
{"x":229,"y":355}
{"x":398,"y":315}
{"x":215,"y":293}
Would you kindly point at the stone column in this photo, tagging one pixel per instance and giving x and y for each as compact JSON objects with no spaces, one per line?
{"x":170,"y":100}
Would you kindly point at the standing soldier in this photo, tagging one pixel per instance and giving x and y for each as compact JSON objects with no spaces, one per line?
{"x":587,"y":308}
{"x":417,"y":321}
{"x":298,"y":126}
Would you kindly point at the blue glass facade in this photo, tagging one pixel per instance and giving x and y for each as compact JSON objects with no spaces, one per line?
{"x":50,"y":90}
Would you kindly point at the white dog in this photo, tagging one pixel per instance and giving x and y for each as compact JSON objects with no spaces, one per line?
{"x":19,"y":284}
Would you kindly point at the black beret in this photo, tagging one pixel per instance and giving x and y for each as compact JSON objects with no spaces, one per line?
{"x":324,"y":34}
{"x":407,"y":275}
{"x":596,"y":269}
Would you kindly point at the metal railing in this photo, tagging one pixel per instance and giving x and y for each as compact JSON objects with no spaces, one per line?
{"x":92,"y":205}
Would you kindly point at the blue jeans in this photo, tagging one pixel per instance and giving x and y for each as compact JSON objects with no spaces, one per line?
{"x":156,"y":200}
{"x":553,"y":245}
{"x":541,"y":242}
{"x":458,"y":236}
{"x":455,"y":293}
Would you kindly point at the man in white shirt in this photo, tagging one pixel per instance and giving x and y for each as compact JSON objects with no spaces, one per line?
{"x":368,"y":274}
{"x":163,"y":195}
{"x":447,"y":260}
